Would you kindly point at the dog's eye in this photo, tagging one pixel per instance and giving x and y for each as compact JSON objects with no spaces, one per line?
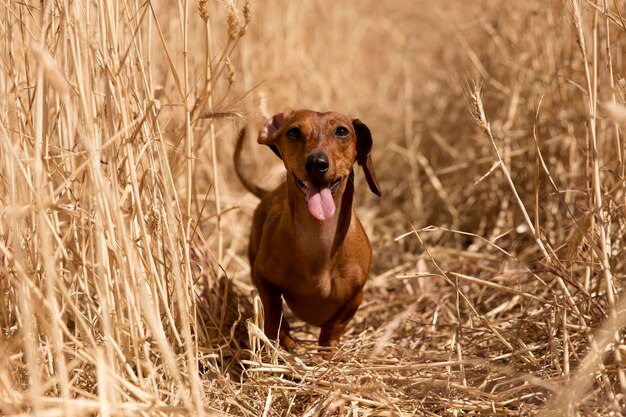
{"x":341,"y":132}
{"x":294,"y":133}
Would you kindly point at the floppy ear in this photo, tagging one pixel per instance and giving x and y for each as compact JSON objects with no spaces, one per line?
{"x":363,"y":148}
{"x":269,"y":132}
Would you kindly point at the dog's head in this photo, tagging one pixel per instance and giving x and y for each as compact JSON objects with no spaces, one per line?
{"x":319,"y":151}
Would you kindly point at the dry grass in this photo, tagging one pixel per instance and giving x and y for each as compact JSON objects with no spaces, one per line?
{"x":498,"y":280}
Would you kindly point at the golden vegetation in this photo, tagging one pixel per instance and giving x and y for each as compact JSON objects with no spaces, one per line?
{"x":498,"y":280}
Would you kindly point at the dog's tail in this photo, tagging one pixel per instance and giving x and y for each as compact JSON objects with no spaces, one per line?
{"x":250,"y":186}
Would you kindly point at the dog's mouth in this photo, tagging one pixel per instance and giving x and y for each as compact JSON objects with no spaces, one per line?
{"x":319,"y":196}
{"x":302,"y":185}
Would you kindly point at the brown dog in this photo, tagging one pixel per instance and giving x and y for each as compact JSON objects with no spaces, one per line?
{"x":307,"y":245}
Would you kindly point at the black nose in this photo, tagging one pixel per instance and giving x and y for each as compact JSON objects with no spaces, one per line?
{"x":316,"y":164}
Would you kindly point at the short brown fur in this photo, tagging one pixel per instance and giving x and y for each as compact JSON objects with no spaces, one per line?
{"x":318,"y":267}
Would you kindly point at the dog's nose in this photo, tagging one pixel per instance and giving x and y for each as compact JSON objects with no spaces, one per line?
{"x":316,"y":164}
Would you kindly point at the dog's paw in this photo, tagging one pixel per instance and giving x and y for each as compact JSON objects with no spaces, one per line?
{"x":287,"y":343}
{"x":330,"y":345}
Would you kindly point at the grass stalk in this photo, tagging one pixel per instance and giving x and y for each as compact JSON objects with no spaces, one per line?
{"x":122,"y":293}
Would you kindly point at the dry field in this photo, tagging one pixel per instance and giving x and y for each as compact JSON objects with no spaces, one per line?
{"x":499,"y":264}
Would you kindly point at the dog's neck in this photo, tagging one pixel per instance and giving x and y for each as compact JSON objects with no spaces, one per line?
{"x":317,"y":242}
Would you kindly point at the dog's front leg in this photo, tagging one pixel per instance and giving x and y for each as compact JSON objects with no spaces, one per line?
{"x":275,"y":324}
{"x":333,"y":329}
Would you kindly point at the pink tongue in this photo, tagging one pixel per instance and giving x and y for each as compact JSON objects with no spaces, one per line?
{"x":320,"y":201}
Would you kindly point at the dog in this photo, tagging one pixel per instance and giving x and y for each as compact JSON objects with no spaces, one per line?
{"x":307,"y":244}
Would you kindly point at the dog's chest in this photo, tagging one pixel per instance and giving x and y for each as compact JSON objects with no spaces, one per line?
{"x":315,"y":299}
{"x":295,"y":277}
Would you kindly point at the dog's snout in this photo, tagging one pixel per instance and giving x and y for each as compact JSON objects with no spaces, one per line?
{"x":316,"y":164}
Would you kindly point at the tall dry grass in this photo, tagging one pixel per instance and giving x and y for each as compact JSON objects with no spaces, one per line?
{"x":497,"y":285}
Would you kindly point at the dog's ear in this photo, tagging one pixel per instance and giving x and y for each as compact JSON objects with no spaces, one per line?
{"x":363,"y":148}
{"x":269,"y":132}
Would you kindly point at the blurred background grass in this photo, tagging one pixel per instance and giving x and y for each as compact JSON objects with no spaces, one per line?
{"x":124,"y":283}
